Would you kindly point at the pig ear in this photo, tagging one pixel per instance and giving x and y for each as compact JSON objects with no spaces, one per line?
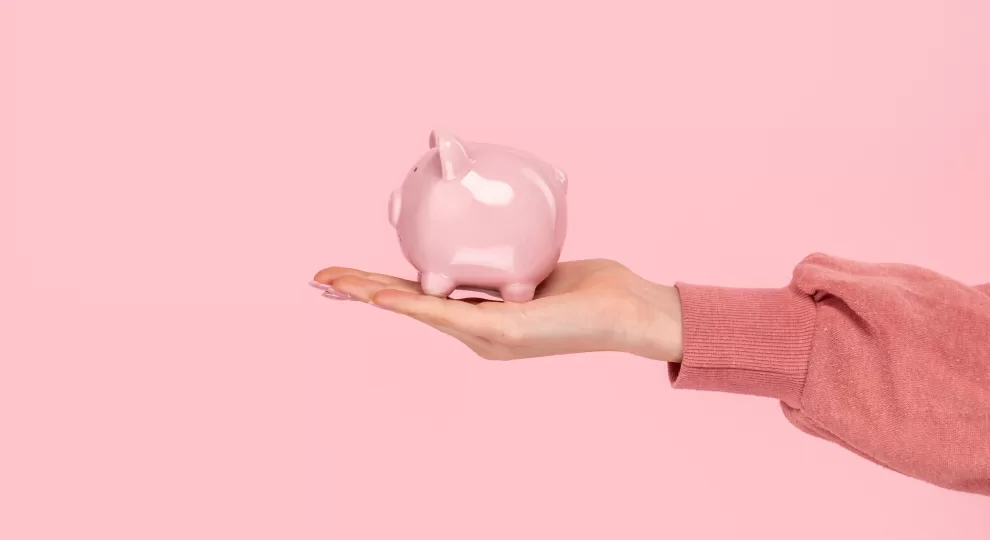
{"x":454,"y":160}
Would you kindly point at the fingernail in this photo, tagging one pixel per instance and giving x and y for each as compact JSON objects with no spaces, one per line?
{"x":329,"y":292}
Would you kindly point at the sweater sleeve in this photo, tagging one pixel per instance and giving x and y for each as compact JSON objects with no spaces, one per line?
{"x":889,"y":361}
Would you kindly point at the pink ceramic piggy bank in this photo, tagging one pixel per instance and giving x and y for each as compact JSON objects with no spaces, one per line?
{"x":480,"y":216}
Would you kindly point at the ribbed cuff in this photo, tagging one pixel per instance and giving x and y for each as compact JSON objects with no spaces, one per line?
{"x":745,"y":341}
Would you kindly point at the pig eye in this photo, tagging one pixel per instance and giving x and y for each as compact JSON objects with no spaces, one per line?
{"x":415,"y":169}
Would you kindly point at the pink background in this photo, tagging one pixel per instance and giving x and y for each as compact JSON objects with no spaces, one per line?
{"x":173,"y":173}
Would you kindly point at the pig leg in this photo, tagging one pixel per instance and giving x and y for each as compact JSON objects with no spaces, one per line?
{"x":517,"y":292}
{"x":435,"y":284}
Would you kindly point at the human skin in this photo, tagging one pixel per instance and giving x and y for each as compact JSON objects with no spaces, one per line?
{"x":584,"y":306}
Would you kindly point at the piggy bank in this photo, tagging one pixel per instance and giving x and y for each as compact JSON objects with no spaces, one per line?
{"x":480,"y":216}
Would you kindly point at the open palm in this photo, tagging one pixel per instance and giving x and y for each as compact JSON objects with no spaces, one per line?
{"x":583,"y":306}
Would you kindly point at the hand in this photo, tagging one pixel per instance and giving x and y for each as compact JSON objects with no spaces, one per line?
{"x":584,"y":306}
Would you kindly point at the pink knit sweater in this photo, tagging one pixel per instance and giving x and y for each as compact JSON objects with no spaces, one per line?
{"x":890,"y":361}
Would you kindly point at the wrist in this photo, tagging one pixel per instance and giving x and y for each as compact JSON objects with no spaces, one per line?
{"x":658,"y":333}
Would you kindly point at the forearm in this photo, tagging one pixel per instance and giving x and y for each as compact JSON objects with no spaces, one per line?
{"x":890,"y":361}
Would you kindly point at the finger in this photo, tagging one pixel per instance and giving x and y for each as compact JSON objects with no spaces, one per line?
{"x":457,"y":315}
{"x":366,"y":290}
{"x":328,"y":275}
{"x":359,"y":288}
{"x":365,"y":285}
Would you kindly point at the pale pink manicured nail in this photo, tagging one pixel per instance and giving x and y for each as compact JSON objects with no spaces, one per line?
{"x":328,"y":291}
